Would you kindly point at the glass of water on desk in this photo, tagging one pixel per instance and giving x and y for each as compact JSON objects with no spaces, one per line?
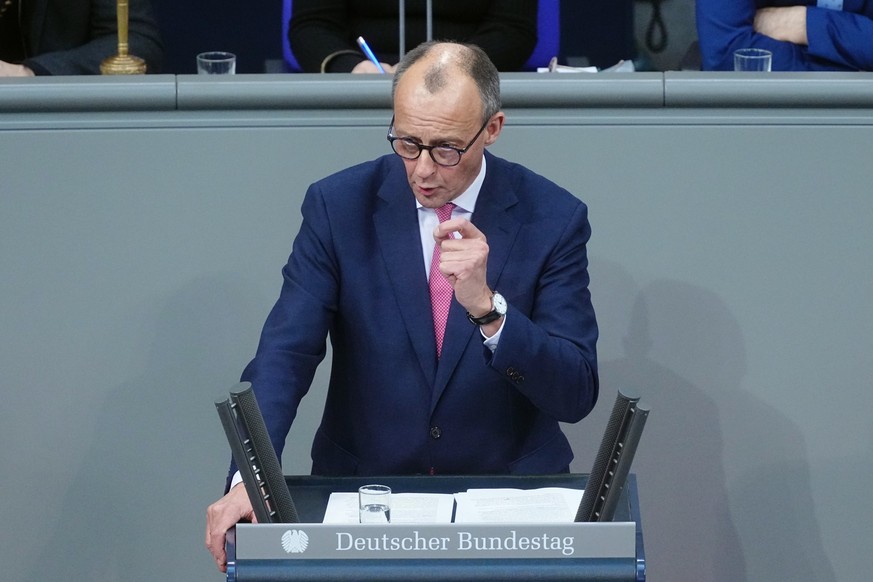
{"x":374,"y":502}
{"x":753,"y":60}
{"x":216,"y":63}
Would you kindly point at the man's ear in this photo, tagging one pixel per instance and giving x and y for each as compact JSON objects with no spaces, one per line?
{"x":495,"y":126}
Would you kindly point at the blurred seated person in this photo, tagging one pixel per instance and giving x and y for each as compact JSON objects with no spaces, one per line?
{"x":72,"y":37}
{"x":803,"y":35}
{"x":323,"y":33}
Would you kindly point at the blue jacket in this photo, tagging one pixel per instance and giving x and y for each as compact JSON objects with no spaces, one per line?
{"x":356,"y":274}
{"x":839,"y":40}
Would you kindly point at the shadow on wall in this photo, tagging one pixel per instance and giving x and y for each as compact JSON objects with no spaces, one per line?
{"x":136,"y":509}
{"x":684,"y":354}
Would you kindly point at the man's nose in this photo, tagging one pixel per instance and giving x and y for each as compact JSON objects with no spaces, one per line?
{"x":424,"y":165}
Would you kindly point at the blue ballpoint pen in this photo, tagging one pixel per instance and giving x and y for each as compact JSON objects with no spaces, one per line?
{"x":367,"y":51}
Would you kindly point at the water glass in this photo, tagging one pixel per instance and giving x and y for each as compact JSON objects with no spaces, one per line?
{"x":216,"y":63}
{"x":374,"y":503}
{"x":753,"y":59}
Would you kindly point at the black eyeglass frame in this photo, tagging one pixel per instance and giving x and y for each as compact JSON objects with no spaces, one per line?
{"x":422,"y":147}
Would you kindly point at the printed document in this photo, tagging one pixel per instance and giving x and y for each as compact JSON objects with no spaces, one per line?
{"x":543,"y":505}
{"x":405,"y":508}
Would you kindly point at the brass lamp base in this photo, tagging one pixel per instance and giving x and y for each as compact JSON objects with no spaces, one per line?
{"x":123,"y":65}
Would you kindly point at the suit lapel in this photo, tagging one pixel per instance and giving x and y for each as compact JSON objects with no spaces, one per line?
{"x":396,"y":225}
{"x":493,"y":216}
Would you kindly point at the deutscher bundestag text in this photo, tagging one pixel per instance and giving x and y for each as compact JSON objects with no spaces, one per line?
{"x":464,"y":541}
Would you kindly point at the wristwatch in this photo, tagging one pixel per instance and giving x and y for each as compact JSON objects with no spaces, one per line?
{"x":498,"y":310}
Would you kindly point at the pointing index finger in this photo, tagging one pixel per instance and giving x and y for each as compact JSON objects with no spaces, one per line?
{"x":461,"y":226}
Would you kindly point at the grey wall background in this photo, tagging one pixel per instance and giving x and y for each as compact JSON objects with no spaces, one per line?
{"x":140,"y":253}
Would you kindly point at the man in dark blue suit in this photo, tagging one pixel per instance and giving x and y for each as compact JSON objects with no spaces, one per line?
{"x":517,"y":354}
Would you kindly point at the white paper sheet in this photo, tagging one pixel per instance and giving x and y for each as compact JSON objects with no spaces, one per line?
{"x":405,"y":508}
{"x":544,"y":505}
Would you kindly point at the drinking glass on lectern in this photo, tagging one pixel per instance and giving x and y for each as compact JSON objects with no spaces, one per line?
{"x":374,"y":503}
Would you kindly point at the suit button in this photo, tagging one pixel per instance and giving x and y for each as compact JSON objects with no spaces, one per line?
{"x":435,"y":432}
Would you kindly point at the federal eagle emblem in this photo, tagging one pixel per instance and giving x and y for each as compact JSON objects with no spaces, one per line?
{"x":295,"y":541}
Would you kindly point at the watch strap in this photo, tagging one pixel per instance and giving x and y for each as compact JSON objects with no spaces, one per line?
{"x":498,"y":309}
{"x":492,"y":315}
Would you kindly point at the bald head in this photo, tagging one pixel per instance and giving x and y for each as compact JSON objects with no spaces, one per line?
{"x":432,"y":66}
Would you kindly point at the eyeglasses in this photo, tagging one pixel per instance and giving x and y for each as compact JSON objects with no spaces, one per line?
{"x":443,"y":155}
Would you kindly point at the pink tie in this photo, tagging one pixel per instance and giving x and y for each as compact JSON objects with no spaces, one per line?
{"x":440,"y":288}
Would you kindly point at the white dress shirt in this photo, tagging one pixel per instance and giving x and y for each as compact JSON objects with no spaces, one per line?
{"x":465,"y":204}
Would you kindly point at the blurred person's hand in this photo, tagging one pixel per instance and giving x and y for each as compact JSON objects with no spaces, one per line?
{"x":10,"y":70}
{"x":369,"y":67}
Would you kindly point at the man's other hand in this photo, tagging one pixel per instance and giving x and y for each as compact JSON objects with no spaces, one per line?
{"x":221,"y":516}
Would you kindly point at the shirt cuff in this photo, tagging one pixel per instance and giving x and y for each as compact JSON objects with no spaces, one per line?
{"x":237,"y":479}
{"x":491,"y":342}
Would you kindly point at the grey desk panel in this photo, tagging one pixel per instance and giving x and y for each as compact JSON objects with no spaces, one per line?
{"x":582,"y":90}
{"x":304,"y":91}
{"x":307,"y":92}
{"x":525,"y":90}
{"x":361,"y":118}
{"x":218,"y":118}
{"x":780,"y":90}
{"x":687,"y":117}
{"x":88,"y":93}
{"x":545,"y":92}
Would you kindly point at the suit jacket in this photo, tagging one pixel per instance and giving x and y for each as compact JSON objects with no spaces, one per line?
{"x":839,"y":40}
{"x":72,"y":37}
{"x":356,"y":273}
